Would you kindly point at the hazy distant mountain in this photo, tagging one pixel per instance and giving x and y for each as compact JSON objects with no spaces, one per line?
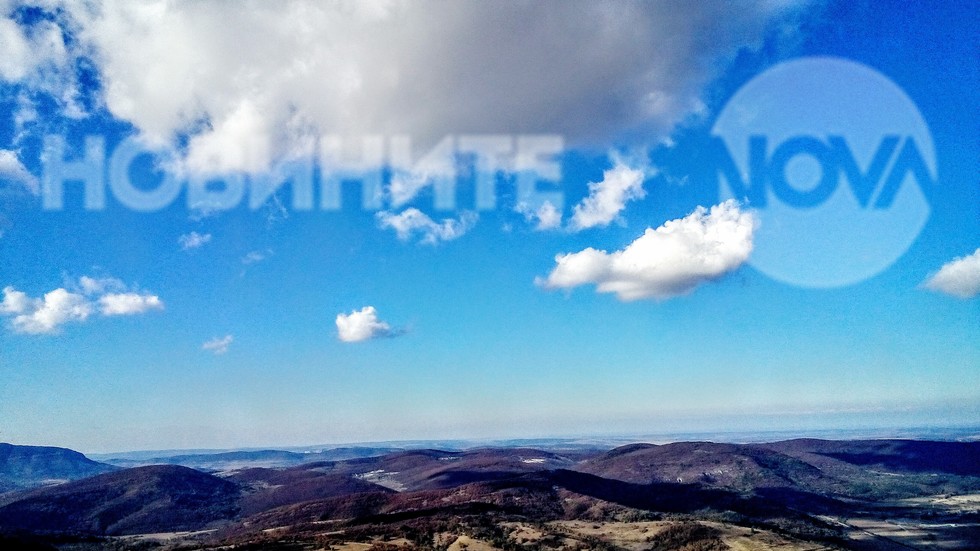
{"x":31,"y":466}
{"x":243,"y":459}
{"x":232,"y":460}
{"x":434,"y":469}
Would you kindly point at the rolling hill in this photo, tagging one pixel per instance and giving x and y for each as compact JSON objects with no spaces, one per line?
{"x":143,"y":499}
{"x":732,"y":466}
{"x":31,"y":466}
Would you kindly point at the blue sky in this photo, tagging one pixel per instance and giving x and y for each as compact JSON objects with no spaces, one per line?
{"x":481,"y":332}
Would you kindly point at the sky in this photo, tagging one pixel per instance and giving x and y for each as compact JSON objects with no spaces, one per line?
{"x":517,"y":220}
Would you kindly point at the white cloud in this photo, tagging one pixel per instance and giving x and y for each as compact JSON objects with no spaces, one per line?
{"x":16,"y":302}
{"x":218,"y":345}
{"x":57,"y":308}
{"x":37,"y":56}
{"x":13,"y":170}
{"x":28,"y":51}
{"x":238,"y":142}
{"x":193,"y":240}
{"x":547,"y":215}
{"x":245,"y":86}
{"x":412,"y":221}
{"x":16,"y":61}
{"x":608,"y":198}
{"x":362,"y":325}
{"x":127,"y":304}
{"x":98,"y":285}
{"x":959,"y":277}
{"x":665,"y":262}
{"x":46,"y":315}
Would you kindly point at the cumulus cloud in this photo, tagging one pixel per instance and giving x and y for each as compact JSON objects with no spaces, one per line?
{"x":218,"y":345}
{"x":242,"y":87}
{"x":665,"y":262}
{"x":361,"y":325}
{"x":959,"y":277}
{"x":193,"y":240}
{"x":91,"y":296}
{"x":11,"y":169}
{"x":47,"y":314}
{"x":608,"y":198}
{"x":412,"y":221}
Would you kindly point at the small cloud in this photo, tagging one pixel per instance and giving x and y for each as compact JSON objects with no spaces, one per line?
{"x":47,"y":314}
{"x":218,"y":345}
{"x":193,"y":240}
{"x":665,"y":262}
{"x":547,"y":215}
{"x":607,"y":199}
{"x":128,"y":304}
{"x":412,"y":221}
{"x":959,"y":277}
{"x":361,"y":325}
{"x":254,"y":257}
{"x":13,"y":170}
{"x":202,"y":210}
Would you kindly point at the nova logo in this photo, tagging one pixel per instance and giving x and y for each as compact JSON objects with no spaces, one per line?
{"x":835,"y":160}
{"x":837,"y":163}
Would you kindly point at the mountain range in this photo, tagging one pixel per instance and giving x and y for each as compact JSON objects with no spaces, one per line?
{"x":832,"y":493}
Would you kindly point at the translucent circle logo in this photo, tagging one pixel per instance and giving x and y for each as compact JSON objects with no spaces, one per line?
{"x":833,"y":157}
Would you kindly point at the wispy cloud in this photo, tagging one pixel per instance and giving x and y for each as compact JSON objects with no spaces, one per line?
{"x":607,"y":199}
{"x":193,"y":240}
{"x":99,"y":285}
{"x":411,"y":222}
{"x":218,"y":345}
{"x":275,"y":211}
{"x":11,"y":169}
{"x":254,"y":257}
